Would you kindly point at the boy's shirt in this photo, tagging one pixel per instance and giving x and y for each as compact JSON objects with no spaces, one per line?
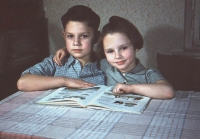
{"x":138,"y":75}
{"x":71,"y":68}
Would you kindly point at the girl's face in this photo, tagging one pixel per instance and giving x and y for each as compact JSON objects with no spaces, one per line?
{"x":79,"y":40}
{"x":119,"y":51}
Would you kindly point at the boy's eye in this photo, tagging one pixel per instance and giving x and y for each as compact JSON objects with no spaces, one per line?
{"x":70,"y":36}
{"x":84,"y":36}
{"x":124,"y":48}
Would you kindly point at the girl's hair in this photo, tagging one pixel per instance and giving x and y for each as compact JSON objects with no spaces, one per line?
{"x":120,"y":25}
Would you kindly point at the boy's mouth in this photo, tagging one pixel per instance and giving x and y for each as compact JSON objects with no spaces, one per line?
{"x":77,"y":50}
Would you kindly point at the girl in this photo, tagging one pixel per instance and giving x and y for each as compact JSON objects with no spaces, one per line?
{"x":119,"y":42}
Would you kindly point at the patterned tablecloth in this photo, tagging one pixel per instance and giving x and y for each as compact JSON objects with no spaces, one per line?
{"x":21,"y":117}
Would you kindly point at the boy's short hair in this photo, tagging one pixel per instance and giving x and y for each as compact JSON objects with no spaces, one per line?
{"x":81,"y":13}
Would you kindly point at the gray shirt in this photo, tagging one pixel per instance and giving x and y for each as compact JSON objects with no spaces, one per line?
{"x":138,"y":75}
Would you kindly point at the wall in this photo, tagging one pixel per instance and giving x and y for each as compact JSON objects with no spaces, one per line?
{"x":161,"y":22}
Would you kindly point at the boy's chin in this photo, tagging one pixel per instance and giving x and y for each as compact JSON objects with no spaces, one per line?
{"x":79,"y":56}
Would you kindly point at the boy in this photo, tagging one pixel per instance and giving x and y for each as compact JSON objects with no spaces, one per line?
{"x":80,"y":69}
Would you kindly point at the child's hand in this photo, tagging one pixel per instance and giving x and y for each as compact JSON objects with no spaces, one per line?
{"x":77,"y":83}
{"x":122,"y":88}
{"x":60,"y":54}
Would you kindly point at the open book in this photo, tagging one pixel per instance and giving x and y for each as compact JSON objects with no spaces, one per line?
{"x":98,"y":97}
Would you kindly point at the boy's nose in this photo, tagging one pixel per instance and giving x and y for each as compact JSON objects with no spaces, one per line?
{"x":76,"y":42}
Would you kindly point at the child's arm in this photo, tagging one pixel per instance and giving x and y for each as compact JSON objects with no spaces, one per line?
{"x":32,"y":82}
{"x":60,"y":54}
{"x":160,"y":90}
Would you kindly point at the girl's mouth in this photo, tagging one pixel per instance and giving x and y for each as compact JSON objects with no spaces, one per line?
{"x":120,"y":62}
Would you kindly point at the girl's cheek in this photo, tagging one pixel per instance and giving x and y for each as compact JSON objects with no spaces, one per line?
{"x":109,"y":58}
{"x":128,"y":54}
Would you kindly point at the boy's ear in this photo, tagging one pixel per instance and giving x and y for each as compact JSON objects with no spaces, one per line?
{"x":96,"y":37}
{"x":63,"y":35}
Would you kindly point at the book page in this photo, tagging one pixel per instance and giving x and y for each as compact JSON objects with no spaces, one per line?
{"x":117,"y":102}
{"x":72,"y":97}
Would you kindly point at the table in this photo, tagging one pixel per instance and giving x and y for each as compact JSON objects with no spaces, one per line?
{"x":21,"y":117}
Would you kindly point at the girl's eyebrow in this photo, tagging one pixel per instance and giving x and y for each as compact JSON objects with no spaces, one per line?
{"x":108,"y":48}
{"x":122,"y":45}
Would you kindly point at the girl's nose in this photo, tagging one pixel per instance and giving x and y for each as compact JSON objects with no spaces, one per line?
{"x":117,"y":55}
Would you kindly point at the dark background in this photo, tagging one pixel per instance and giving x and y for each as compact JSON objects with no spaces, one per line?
{"x":23,"y":40}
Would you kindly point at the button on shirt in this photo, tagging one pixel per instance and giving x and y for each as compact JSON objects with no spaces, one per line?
{"x":138,"y":75}
{"x":71,"y":68}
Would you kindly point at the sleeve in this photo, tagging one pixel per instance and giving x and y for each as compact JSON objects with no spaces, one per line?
{"x":46,"y":68}
{"x":154,"y":75}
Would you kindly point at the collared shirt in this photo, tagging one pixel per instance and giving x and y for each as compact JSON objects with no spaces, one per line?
{"x":71,"y":68}
{"x":138,"y":75}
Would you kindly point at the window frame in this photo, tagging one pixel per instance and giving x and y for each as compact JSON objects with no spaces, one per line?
{"x":192,"y":25}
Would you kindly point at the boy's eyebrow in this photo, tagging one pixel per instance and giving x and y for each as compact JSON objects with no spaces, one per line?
{"x":128,"y":43}
{"x":79,"y":33}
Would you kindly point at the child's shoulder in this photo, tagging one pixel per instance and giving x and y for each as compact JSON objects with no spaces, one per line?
{"x":49,"y":59}
{"x":104,"y":64}
{"x":104,"y":61}
{"x":151,"y":70}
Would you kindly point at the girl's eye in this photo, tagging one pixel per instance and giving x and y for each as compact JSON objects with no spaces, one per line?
{"x":109,"y":51}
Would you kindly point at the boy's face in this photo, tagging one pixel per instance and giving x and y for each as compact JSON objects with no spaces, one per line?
{"x":79,"y":40}
{"x":119,"y":51}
